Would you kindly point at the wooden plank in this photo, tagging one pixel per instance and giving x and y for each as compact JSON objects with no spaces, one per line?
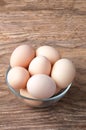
{"x":44,"y":26}
{"x":43,"y":5}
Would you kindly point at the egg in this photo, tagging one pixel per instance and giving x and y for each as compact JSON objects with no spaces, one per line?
{"x":40,"y":65}
{"x":25,"y":93}
{"x":17,"y":77}
{"x":41,"y":86}
{"x":49,"y":52}
{"x":57,"y":90}
{"x":63,"y":72}
{"x":22,"y":56}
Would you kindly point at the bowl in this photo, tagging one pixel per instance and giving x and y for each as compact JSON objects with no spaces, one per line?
{"x":39,"y":103}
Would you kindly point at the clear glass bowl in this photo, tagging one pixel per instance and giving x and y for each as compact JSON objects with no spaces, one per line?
{"x":38,"y":102}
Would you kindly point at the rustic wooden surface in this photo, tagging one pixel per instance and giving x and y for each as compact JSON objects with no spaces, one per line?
{"x":61,"y":24}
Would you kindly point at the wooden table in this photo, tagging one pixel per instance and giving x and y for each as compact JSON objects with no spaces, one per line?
{"x":58,"y":23}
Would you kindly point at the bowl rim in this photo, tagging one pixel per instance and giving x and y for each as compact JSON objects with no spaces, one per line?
{"x":58,"y":96}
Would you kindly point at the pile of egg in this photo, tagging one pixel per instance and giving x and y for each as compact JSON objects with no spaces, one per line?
{"x":39,"y":73}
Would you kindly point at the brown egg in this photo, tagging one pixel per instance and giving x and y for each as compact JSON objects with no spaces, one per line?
{"x":40,"y":65}
{"x":63,"y":72}
{"x":22,"y":56}
{"x":41,"y":86}
{"x":25,"y":93}
{"x":17,"y":77}
{"x":49,"y":52}
{"x":57,"y":90}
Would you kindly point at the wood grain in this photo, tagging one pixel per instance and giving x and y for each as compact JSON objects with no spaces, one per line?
{"x":58,"y":23}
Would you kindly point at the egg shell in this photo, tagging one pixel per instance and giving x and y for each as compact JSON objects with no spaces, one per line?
{"x":57,"y":90}
{"x":17,"y":77}
{"x":40,"y":65}
{"x":49,"y":52}
{"x":63,"y":72}
{"x":41,"y":86}
{"x":22,"y":56}
{"x":25,"y":93}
